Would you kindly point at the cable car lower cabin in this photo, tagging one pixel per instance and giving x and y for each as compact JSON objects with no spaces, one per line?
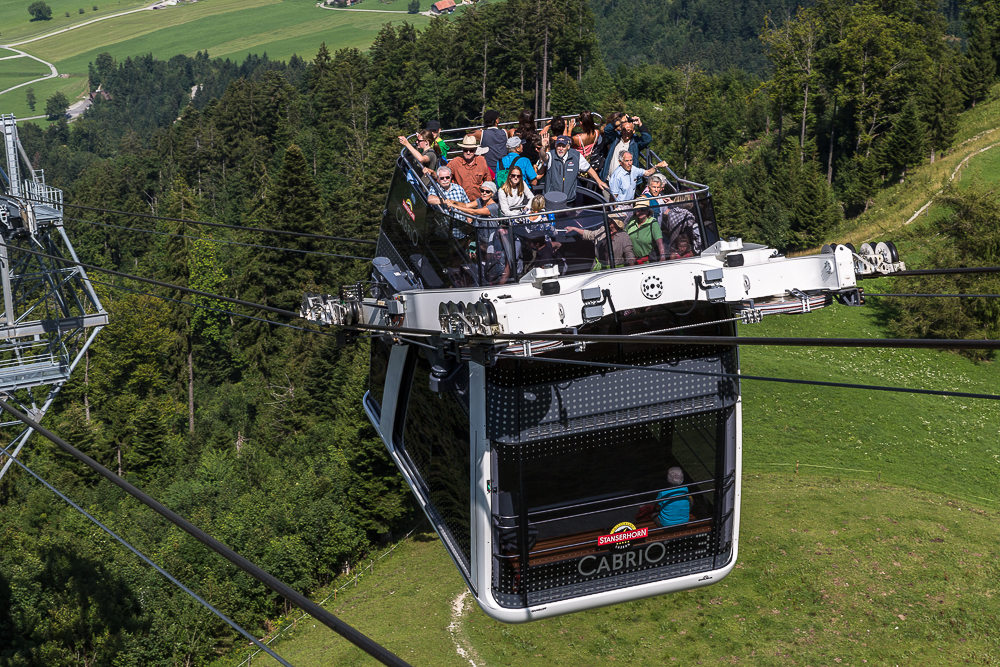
{"x":558,"y":487}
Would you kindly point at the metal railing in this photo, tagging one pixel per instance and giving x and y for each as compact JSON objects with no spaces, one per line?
{"x":43,"y":194}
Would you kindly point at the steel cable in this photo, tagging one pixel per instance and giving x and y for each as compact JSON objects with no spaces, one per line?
{"x":367,"y":645}
{"x":145,"y":558}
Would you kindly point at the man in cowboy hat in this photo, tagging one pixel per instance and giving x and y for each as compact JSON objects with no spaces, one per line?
{"x":470,"y":170}
{"x":621,"y":244}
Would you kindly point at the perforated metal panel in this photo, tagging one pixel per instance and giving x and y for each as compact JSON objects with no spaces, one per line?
{"x":560,"y":402}
{"x":580,"y":485}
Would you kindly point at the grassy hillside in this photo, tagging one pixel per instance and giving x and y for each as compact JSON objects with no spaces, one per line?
{"x":17,"y":70}
{"x":18,"y":24}
{"x":831,"y":572}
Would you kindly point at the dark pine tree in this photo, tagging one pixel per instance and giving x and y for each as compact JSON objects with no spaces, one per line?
{"x":904,"y":147}
{"x":940,"y":109}
{"x":979,"y":68}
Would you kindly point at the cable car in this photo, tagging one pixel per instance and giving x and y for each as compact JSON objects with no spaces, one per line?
{"x":564,"y":476}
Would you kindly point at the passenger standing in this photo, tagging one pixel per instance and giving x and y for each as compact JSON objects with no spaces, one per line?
{"x":485,"y":206}
{"x":437,"y":142}
{"x":514,"y":195}
{"x":492,"y":138}
{"x":628,"y":134}
{"x":470,"y":171}
{"x":449,"y":188}
{"x":563,"y":167}
{"x":514,"y":158}
{"x":588,"y":138}
{"x":423,"y":153}
{"x":528,"y":135}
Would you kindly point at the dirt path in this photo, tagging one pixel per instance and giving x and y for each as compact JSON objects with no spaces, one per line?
{"x":462,"y":645}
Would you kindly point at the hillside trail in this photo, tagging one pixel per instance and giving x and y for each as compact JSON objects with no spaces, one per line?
{"x":53,"y":72}
{"x":462,"y":645}
{"x":872,"y":231}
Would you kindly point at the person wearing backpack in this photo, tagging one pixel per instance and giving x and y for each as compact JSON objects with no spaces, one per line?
{"x":514,"y":157}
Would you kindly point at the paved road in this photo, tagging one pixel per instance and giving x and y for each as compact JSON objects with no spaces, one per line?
{"x":53,"y":72}
{"x":380,"y":11}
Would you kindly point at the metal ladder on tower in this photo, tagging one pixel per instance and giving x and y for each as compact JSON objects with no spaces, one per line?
{"x":51,"y":313}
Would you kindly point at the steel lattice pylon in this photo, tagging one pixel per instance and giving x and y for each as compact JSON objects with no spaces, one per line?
{"x":51,"y":313}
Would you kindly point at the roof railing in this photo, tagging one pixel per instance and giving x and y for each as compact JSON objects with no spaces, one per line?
{"x":605,"y":207}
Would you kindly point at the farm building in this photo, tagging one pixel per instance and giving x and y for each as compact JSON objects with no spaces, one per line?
{"x":442,"y":7}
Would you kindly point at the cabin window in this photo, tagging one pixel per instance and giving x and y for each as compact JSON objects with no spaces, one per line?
{"x":561,"y":496}
{"x":435,"y":442}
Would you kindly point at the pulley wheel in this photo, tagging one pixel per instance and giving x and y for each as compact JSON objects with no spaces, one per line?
{"x":867,"y":251}
{"x":884,"y":253}
{"x":893,"y":251}
{"x":492,"y":313}
{"x":850,"y":246}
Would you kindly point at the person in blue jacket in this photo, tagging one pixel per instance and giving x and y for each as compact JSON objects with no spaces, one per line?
{"x":625,"y":134}
{"x":674,"y":504}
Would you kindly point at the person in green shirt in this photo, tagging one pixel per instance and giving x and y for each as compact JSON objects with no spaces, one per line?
{"x":645,"y":234}
{"x":434,"y":128}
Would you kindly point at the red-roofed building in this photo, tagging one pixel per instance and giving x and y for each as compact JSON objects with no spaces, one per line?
{"x":442,"y":7}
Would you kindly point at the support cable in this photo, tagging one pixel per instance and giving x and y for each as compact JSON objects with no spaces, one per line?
{"x":370,"y":647}
{"x":223,"y":226}
{"x":211,"y":240}
{"x":971,"y":296}
{"x":738,"y":376}
{"x":207,"y":307}
{"x":158,"y":283}
{"x":936,"y":272}
{"x":145,"y":558}
{"x":900,"y":343}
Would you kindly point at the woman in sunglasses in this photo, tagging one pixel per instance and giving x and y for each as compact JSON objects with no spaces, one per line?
{"x":514,"y":195}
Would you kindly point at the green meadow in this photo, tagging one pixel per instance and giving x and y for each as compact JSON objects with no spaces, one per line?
{"x":19,"y":70}
{"x":831,"y":571}
{"x":18,"y":24}
{"x":225,"y":28}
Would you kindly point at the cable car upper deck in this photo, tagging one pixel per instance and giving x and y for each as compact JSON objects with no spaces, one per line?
{"x":556,"y":269}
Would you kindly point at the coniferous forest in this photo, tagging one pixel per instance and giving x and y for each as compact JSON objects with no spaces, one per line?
{"x":796,"y":117}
